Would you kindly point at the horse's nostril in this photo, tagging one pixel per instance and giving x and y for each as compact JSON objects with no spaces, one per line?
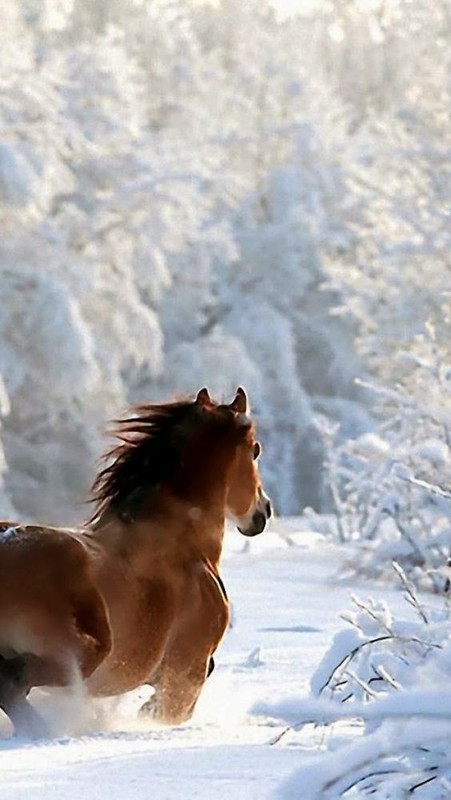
{"x":268,"y":508}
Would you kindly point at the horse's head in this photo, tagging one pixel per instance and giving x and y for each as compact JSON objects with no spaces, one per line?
{"x":246,"y":503}
{"x":202,"y":451}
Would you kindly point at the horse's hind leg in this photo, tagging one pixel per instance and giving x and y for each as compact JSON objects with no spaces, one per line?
{"x":92,"y":626}
{"x":20,"y":673}
{"x":28,"y":670}
{"x":14,"y":703}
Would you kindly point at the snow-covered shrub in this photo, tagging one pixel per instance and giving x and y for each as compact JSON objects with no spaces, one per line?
{"x":389,"y":677}
{"x":399,"y":668}
{"x":389,"y":489}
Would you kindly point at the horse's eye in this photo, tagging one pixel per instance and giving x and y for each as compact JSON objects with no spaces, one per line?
{"x":257,"y":450}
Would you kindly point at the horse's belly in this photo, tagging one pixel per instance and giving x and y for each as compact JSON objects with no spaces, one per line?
{"x":123,"y":670}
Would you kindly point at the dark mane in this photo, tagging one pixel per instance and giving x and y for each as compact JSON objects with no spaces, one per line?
{"x":151,"y":440}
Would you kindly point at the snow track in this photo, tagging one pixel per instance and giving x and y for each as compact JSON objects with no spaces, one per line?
{"x":286,"y":609}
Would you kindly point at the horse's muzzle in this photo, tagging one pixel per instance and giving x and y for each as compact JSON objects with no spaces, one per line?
{"x":259,"y":518}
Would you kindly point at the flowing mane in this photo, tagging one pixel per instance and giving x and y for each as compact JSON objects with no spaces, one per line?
{"x":151,"y":440}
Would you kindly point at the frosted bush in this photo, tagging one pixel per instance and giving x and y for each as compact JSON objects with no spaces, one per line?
{"x":399,"y":667}
{"x":390,"y":490}
{"x":388,"y":675}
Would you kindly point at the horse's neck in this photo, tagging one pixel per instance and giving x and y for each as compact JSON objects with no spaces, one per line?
{"x":174,"y":530}
{"x":203,"y":478}
{"x":181,"y":521}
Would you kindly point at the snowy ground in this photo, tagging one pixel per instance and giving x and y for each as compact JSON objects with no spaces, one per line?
{"x":286,"y":609}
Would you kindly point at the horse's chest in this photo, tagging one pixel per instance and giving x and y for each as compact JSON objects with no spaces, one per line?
{"x":140,"y":618}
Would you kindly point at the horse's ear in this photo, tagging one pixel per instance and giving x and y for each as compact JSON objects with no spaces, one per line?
{"x":239,"y":404}
{"x":203,"y":397}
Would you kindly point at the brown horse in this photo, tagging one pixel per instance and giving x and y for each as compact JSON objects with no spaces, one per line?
{"x":134,"y":596}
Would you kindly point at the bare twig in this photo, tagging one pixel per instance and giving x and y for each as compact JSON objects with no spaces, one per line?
{"x":406,"y":534}
{"x":371,"y":613}
{"x":425,"y":485}
{"x":410,"y":594}
{"x":383,"y":675}
{"x":363,"y":685}
{"x":422,"y":783}
{"x":351,"y":655}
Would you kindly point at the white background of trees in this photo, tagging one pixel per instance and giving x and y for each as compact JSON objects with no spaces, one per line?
{"x":196,"y":194}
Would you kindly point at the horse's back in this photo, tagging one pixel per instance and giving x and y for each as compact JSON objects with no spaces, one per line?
{"x":38,"y":562}
{"x":47,"y":595}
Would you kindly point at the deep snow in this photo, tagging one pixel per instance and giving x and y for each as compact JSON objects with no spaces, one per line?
{"x":286,"y":604}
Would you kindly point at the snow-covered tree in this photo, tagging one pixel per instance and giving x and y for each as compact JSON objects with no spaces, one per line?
{"x":390,"y":492}
{"x":211,"y":197}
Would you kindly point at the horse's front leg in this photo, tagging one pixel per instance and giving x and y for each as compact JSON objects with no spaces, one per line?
{"x":198,"y":627}
{"x":177,"y":688}
{"x":188,"y":659}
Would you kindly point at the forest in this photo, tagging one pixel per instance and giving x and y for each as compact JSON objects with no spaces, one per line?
{"x":210,"y":193}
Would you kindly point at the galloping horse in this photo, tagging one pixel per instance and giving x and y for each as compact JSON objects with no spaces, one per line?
{"x":134,"y":596}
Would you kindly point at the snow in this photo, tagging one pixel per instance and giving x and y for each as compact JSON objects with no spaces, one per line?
{"x":320,"y":778}
{"x":286,"y":604}
{"x":8,"y":534}
{"x":296,"y":241}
